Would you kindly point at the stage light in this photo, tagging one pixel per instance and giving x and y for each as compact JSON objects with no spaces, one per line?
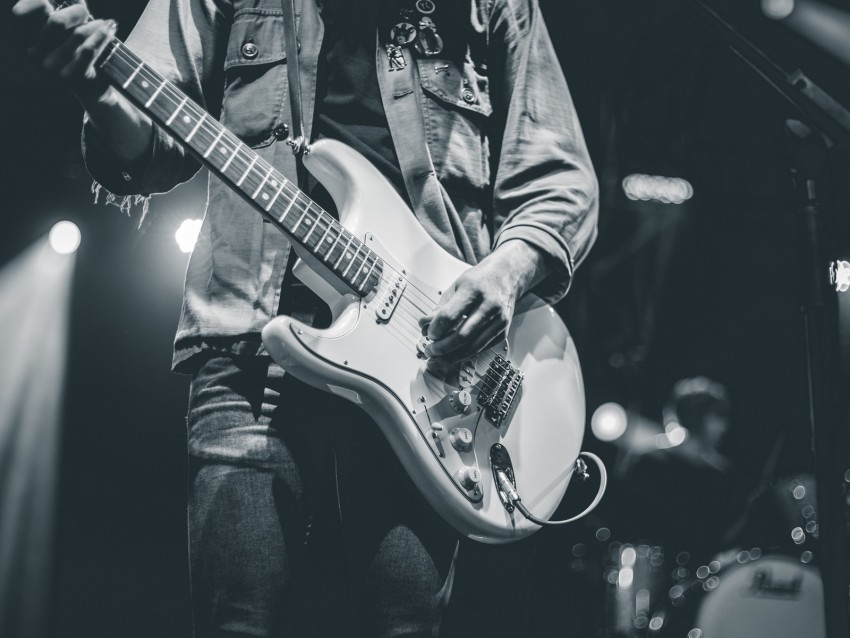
{"x":777,"y":9}
{"x":65,"y":237}
{"x":187,"y":234}
{"x":609,"y":422}
{"x":35,"y":293}
{"x":667,"y":190}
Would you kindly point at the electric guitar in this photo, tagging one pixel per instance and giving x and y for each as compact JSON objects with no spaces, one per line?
{"x":517,"y":408}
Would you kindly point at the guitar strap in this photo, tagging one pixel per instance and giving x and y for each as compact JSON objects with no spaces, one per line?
{"x":296,"y":130}
{"x":406,"y":121}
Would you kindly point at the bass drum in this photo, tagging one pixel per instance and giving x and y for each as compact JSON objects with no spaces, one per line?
{"x":774,"y":596}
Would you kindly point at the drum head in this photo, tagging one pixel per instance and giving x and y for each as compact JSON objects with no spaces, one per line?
{"x":774,"y":596}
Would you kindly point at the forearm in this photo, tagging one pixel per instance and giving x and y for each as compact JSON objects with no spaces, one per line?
{"x":124,"y":130}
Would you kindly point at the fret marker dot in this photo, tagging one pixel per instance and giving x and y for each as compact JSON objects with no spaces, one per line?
{"x":145,"y":84}
{"x":187,"y":119}
{"x":348,"y":255}
{"x":265,"y":196}
{"x":308,"y":221}
{"x":223,"y":150}
{"x":329,"y":239}
{"x":273,"y":183}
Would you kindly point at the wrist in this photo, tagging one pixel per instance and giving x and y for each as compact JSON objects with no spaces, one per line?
{"x":524,"y":264}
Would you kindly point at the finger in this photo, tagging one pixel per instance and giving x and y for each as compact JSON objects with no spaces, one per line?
{"x":464,"y":333}
{"x":491,"y":333}
{"x":30,"y":16}
{"x":56,"y":28}
{"x":451,"y":313}
{"x":82,"y":59}
{"x":65,"y":52}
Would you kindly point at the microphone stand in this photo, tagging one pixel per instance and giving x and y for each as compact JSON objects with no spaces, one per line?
{"x":827,"y":124}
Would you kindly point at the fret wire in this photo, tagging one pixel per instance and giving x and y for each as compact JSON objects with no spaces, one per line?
{"x":155,"y":94}
{"x":277,"y":194}
{"x":247,"y":170}
{"x":351,"y":263}
{"x":371,"y":270}
{"x":362,"y":265}
{"x":168,"y":91}
{"x":215,"y":142}
{"x":342,"y":254}
{"x":263,"y":183}
{"x":300,"y":219}
{"x":112,"y":46}
{"x":366,"y":255}
{"x":197,"y":126}
{"x":327,"y":230}
{"x":232,"y":156}
{"x":333,"y":245}
{"x":133,"y":76}
{"x":286,"y":212}
{"x":312,"y":228}
{"x":174,"y":115}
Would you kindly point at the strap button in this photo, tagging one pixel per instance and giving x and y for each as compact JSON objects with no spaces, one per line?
{"x":250,"y":50}
{"x":281,"y":131}
{"x":468,"y":96}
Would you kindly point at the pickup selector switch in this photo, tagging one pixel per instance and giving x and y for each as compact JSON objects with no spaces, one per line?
{"x":461,"y":439}
{"x":469,"y":477}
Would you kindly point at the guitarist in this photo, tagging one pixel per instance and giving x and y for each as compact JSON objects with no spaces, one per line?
{"x":278,"y":468}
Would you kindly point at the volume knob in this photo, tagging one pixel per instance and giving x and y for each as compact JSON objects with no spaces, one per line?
{"x":469,"y":477}
{"x":460,"y":400}
{"x":461,"y":439}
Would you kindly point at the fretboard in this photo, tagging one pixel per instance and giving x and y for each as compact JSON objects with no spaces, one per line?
{"x":276,"y":198}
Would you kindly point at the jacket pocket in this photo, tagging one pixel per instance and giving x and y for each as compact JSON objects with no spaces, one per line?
{"x":456,"y":109}
{"x":255,"y":76}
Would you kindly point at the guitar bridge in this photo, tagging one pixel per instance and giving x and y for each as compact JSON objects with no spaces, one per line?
{"x":499,"y":389}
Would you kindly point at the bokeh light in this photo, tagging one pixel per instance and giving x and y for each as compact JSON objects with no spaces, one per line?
{"x":187,"y":234}
{"x":65,"y":237}
{"x":609,"y":422}
{"x":777,"y":9}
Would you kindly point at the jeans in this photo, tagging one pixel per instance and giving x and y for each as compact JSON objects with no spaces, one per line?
{"x":302,"y":522}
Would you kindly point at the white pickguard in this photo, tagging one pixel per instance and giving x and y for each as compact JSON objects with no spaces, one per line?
{"x":374,"y":364}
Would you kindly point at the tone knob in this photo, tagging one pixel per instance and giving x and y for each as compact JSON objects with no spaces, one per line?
{"x":460,"y":400}
{"x":469,"y":477}
{"x":461,"y":439}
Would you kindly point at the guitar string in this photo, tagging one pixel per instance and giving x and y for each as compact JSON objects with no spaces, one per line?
{"x":127,"y":55}
{"x":412,"y":324}
{"x":167,"y":92}
{"x":296,"y":193}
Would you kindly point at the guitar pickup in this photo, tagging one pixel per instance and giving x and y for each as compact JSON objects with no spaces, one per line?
{"x":389,"y":302}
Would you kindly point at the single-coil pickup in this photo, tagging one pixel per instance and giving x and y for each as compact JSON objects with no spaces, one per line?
{"x":391,"y":297}
{"x":499,"y":388}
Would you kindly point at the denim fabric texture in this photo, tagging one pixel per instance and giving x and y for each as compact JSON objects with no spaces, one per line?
{"x":302,"y":522}
{"x":486,"y":135}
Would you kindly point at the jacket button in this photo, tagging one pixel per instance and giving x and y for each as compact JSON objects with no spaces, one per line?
{"x":250,"y":50}
{"x":469,"y":97}
{"x":281,"y":131}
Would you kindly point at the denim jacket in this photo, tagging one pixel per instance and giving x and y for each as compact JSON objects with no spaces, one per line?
{"x":498,"y":126}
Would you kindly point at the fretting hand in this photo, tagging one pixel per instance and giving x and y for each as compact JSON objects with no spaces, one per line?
{"x":66,"y":44}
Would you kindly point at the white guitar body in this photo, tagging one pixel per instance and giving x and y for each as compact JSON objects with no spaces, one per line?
{"x":375,"y":365}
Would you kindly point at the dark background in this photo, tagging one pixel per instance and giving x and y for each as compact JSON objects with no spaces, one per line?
{"x":707,"y":288}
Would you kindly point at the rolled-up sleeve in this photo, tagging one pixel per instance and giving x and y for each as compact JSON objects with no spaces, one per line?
{"x":185,"y":41}
{"x":545,"y":190}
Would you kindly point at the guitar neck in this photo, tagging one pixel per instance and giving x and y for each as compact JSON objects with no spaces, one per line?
{"x":276,"y":198}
